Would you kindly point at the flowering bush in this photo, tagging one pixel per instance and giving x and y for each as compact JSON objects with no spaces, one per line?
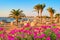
{"x":30,"y":33}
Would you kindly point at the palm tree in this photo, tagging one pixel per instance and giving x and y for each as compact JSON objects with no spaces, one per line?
{"x":57,"y":16}
{"x":39,"y":8}
{"x":17,"y":14}
{"x":51,"y":12}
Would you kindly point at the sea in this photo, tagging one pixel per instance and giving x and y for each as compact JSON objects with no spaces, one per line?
{"x":11,"y":19}
{"x":6,"y":19}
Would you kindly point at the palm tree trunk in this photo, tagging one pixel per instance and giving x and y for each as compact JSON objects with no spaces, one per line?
{"x":17,"y":21}
{"x":38,"y":12}
{"x":58,"y":19}
{"x":51,"y":20}
{"x":51,"y":15}
{"x":41,"y":15}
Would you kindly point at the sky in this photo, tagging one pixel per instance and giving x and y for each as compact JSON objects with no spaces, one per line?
{"x":27,"y":6}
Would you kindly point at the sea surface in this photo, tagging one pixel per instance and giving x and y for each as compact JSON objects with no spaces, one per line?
{"x":11,"y":19}
{"x":6,"y":19}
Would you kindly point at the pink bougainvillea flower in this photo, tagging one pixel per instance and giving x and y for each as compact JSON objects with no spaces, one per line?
{"x":42,"y":35}
{"x":44,"y":27}
{"x":22,"y":35}
{"x":22,"y":30}
{"x":36,"y":30}
{"x":35,"y":36}
{"x":11,"y":37}
{"x":48,"y":26}
{"x":35,"y":33}
{"x":2,"y":35}
{"x":1,"y":29}
{"x":54,"y":24}
{"x":14,"y":31}
{"x":48,"y":38}
{"x":55,"y":30}
{"x":27,"y":32}
{"x":31,"y":28}
{"x":58,"y":35}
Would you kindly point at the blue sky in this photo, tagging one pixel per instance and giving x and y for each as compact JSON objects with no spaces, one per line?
{"x":27,"y":6}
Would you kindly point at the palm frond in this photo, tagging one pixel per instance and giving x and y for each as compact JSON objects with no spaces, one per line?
{"x":16,"y":13}
{"x":51,"y":10}
{"x":57,"y":15}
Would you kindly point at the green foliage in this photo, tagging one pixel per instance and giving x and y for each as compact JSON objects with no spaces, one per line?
{"x":38,"y":34}
{"x":23,"y":38}
{"x":30,"y":38}
{"x":40,"y":39}
{"x":27,"y":28}
{"x":47,"y":32}
{"x":1,"y":32}
{"x":53,"y":36}
{"x":18,"y":38}
{"x":53,"y":26}
{"x":1,"y":39}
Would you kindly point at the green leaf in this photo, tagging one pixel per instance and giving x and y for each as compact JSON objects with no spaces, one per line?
{"x":38,"y":34}
{"x":38,"y":39}
{"x":30,"y":37}
{"x":47,"y":32}
{"x":53,"y":36}
{"x":53,"y":26}
{"x":1,"y":39}
{"x":43,"y":39}
{"x":24,"y":39}
{"x":27,"y":28}
{"x":18,"y":38}
{"x":1,"y":32}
